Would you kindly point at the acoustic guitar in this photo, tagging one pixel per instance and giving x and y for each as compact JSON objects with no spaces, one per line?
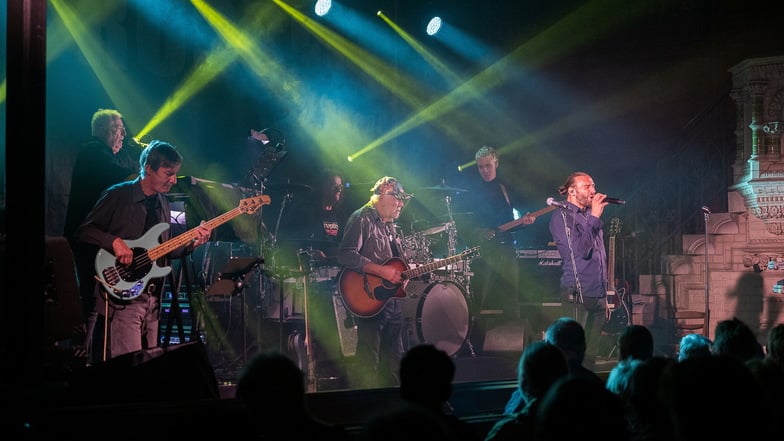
{"x":365,"y":295}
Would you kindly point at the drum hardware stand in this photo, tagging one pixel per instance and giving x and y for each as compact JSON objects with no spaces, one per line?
{"x":231,"y":280}
{"x":312,"y":383}
{"x":286,"y":199}
{"x":175,"y":313}
{"x":466,"y":272}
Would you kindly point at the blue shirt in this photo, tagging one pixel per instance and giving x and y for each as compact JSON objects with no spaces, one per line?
{"x":579,"y":237}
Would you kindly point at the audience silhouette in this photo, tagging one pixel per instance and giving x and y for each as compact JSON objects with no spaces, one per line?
{"x":770,"y":376}
{"x":646,"y":417}
{"x":635,"y":341}
{"x":540,"y":366}
{"x":272,"y":388}
{"x":568,"y":335}
{"x":735,"y":338}
{"x":694,"y":345}
{"x":620,"y":375}
{"x":722,"y":387}
{"x":405,"y":421}
{"x":426,"y":375}
{"x":775,"y":346}
{"x":580,"y":408}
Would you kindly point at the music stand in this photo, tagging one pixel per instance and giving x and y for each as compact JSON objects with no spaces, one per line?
{"x":231,"y":282}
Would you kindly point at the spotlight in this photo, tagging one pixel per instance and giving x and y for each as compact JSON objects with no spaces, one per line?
{"x":433,"y":25}
{"x":322,"y":7}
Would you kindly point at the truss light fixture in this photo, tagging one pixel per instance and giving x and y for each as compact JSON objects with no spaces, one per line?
{"x":434,"y":25}
{"x":322,"y":7}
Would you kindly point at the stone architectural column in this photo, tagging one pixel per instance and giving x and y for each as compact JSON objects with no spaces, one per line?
{"x":739,"y":168}
{"x":756,"y":90}
{"x":773,"y":132}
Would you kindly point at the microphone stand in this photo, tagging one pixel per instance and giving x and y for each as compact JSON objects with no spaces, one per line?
{"x":258,"y":186}
{"x":706,"y":215}
{"x":286,"y":199}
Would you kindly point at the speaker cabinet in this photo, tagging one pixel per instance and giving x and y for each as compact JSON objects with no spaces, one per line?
{"x":509,"y":337}
{"x":174,"y":373}
{"x":62,"y":308}
{"x":347,"y":330}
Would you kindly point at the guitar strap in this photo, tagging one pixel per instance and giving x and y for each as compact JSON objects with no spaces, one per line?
{"x":506,"y":195}
{"x":394,"y":242}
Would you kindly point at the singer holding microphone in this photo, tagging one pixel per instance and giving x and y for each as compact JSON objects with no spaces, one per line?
{"x":578,"y":234}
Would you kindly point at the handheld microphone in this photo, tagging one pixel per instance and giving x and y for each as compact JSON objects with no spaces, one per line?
{"x":553,"y":203}
{"x":616,"y":201}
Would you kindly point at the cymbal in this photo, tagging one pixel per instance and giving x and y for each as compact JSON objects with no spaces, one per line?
{"x":461,"y":214}
{"x":444,"y":187}
{"x":435,"y":230}
{"x":289,"y":187}
{"x":314,"y":242}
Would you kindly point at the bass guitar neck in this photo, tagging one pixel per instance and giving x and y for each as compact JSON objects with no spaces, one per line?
{"x":522,"y":221}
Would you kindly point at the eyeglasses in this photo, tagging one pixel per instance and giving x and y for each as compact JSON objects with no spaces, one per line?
{"x":399,"y":196}
{"x":337,"y":187}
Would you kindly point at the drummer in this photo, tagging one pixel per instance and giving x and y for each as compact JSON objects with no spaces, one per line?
{"x":314,"y":224}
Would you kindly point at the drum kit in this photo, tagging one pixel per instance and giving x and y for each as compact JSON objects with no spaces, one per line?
{"x":436,"y":310}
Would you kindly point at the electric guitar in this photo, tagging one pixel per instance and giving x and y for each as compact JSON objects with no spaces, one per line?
{"x":517,"y":222}
{"x":126,"y":282}
{"x":617,"y":311}
{"x":364,"y":295}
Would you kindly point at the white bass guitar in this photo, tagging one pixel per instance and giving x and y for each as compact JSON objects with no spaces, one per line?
{"x":126,"y":282}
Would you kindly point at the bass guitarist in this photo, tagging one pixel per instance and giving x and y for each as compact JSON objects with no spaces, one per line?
{"x":369,"y":241}
{"x":495,"y":282}
{"x":126,"y":211}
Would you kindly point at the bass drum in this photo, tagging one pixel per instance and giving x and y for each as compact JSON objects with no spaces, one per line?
{"x":437,"y":314}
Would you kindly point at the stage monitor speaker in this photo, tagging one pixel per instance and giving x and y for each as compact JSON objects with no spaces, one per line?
{"x":507,"y":337}
{"x":347,"y":329}
{"x":175,"y":373}
{"x":62,"y":307}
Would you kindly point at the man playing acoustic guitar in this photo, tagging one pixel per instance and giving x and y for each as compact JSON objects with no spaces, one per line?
{"x":369,"y":241}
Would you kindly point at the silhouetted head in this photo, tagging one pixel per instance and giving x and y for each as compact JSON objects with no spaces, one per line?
{"x":579,"y":408}
{"x":541,"y":364}
{"x":694,"y":345}
{"x":735,"y":338}
{"x":568,"y":335}
{"x":635,"y":341}
{"x":272,"y":382}
{"x":426,"y":375}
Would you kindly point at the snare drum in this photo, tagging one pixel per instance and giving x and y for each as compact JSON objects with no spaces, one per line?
{"x":437,"y":314}
{"x":324,"y":273}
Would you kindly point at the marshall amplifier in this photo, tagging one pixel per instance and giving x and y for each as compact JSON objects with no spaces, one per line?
{"x":539,"y":288}
{"x":540,"y":275}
